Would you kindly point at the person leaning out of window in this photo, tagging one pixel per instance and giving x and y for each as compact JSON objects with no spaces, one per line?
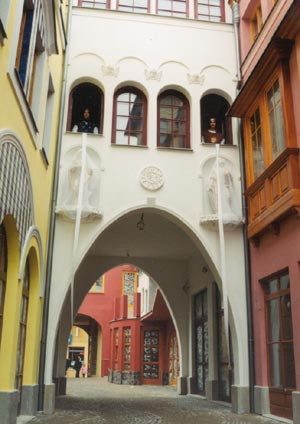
{"x":86,"y":125}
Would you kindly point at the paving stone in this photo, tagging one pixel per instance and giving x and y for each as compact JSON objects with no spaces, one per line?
{"x":96,"y":401}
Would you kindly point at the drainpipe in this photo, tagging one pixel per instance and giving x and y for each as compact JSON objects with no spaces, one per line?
{"x":236,"y":22}
{"x":52,"y":219}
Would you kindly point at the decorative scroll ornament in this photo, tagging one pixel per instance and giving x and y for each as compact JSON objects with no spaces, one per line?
{"x":196,"y":79}
{"x":151,"y":178}
{"x":110,"y":71}
{"x":153,"y":75}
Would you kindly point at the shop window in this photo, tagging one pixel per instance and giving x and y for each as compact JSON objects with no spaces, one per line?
{"x":138,"y":6}
{"x":96,"y":4}
{"x":127,"y":349}
{"x":3,"y":270}
{"x":201,"y":338}
{"x":256,"y":22}
{"x":210,"y":10}
{"x":174,"y":120}
{"x":176,"y":8}
{"x":22,"y":328}
{"x":115,"y":348}
{"x":280,"y":344}
{"x":215,"y":126}
{"x":151,"y":356}
{"x":85,"y":109}
{"x":129,"y":117}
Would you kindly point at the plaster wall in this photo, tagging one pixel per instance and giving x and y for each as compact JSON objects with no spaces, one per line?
{"x":195,"y":58}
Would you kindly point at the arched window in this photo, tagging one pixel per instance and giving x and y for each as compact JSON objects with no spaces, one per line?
{"x":83,"y":97}
{"x":174,"y":120}
{"x":3,"y":269}
{"x":129,"y":117}
{"x":22,"y":327}
{"x":215,"y":126}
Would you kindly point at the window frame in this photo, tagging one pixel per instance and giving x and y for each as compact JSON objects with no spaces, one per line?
{"x":268,"y":297}
{"x":94,"y":3}
{"x":186,"y":105}
{"x":256,"y":22}
{"x":198,"y":3}
{"x":262,"y":104}
{"x":134,"y":91}
{"x":23,"y":322}
{"x":171,"y":11}
{"x":132,"y":8}
{"x":71,"y":121}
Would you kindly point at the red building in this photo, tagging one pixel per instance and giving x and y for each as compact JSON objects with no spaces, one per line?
{"x":131,"y":349}
{"x":268,"y":104}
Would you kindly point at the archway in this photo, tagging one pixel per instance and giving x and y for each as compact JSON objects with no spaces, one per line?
{"x":167,"y":249}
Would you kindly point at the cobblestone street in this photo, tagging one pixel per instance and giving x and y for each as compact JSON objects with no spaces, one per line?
{"x":95,"y":401}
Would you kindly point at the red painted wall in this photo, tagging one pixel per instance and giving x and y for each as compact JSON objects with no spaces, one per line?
{"x":100,"y":307}
{"x":274,"y":254}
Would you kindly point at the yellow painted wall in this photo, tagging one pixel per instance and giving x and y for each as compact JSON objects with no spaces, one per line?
{"x":14,"y":121}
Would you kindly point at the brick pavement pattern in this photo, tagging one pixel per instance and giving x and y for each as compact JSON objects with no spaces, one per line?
{"x":95,"y":401}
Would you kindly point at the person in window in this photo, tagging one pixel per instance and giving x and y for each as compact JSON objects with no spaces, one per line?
{"x":211,"y":135}
{"x":86,"y":125}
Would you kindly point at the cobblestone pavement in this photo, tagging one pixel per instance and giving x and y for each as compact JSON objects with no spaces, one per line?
{"x":95,"y":401}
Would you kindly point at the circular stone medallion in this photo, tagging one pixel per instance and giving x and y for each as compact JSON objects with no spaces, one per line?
{"x":151,"y":178}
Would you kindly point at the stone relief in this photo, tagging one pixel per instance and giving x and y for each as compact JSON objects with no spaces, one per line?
{"x":153,"y":75}
{"x":223,"y":202}
{"x":196,"y":79}
{"x":110,"y":71}
{"x":73,"y":172}
{"x":151,"y":178}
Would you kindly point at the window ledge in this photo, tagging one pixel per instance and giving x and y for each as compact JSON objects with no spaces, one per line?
{"x":180,"y":149}
{"x":139,"y":146}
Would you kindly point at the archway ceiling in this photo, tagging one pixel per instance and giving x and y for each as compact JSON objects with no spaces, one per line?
{"x":160,"y":238}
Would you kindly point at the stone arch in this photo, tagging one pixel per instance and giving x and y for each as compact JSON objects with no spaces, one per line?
{"x":16,"y":195}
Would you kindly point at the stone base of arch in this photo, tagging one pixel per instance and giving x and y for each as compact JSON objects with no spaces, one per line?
{"x":240,"y":399}
{"x":49,"y":399}
{"x":182,"y":385}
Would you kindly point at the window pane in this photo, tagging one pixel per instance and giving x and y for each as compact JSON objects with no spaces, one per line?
{"x":122,"y":123}
{"x":284,"y":282}
{"x":286,"y":317}
{"x":273,"y":313}
{"x":274,"y":359}
{"x":122,"y":109}
{"x":276,"y":119}
{"x":289,"y":365}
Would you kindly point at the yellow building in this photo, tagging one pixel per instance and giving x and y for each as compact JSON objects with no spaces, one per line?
{"x":32,"y":46}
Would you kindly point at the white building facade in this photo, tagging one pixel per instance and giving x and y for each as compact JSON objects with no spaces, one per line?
{"x":143,"y":188}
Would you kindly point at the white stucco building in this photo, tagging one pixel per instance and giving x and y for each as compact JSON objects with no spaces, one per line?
{"x":151,"y":82}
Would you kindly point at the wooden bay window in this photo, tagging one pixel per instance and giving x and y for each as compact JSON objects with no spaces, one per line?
{"x":271,"y":152}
